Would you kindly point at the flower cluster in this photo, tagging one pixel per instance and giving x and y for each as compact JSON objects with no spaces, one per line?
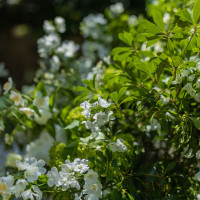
{"x":65,"y":179}
{"x":95,"y":120}
{"x":118,"y":146}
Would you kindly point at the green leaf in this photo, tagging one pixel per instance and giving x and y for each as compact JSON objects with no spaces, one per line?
{"x":128,"y":99}
{"x":74,"y":124}
{"x":185,"y":15}
{"x":196,"y":12}
{"x":114,"y":97}
{"x":196,"y":122}
{"x":150,"y":27}
{"x":158,"y":19}
{"x":126,"y":38}
{"x":40,"y":87}
{"x":122,"y":91}
{"x":170,"y":166}
{"x":131,"y":197}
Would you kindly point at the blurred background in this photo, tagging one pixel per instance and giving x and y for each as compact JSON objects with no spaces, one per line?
{"x":21,"y":23}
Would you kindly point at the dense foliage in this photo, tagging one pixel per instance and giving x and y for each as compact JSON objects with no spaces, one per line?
{"x":112,"y":118}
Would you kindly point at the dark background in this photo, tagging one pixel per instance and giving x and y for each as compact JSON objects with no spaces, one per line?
{"x":21,"y":24}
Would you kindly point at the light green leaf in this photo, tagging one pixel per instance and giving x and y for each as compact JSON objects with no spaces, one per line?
{"x":158,"y":19}
{"x":196,"y":12}
{"x":122,"y":91}
{"x":114,"y":97}
{"x":74,"y":124}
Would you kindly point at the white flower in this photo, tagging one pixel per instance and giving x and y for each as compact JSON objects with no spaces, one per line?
{"x":40,"y":101}
{"x":33,"y":168}
{"x":93,"y":190}
{"x":48,"y":27}
{"x":5,"y":185}
{"x":87,"y":109}
{"x":55,"y":63}
{"x":2,"y":126}
{"x":11,"y":159}
{"x":68,"y":180}
{"x":198,"y":154}
{"x":197,"y":97}
{"x":178,"y":79}
{"x":100,"y":118}
{"x":19,"y":187}
{"x":67,"y":50}
{"x":54,"y":178}
{"x":117,"y":8}
{"x":198,"y":83}
{"x":91,"y":177}
{"x":197,"y":176}
{"x":198,"y":196}
{"x":60,"y":24}
{"x":47,"y":44}
{"x":89,"y":125}
{"x":132,"y":20}
{"x":33,"y":193}
{"x":155,"y":125}
{"x":45,"y":116}
{"x":118,"y":146}
{"x":164,"y":99}
{"x":190,"y":90}
{"x":40,"y":147}
{"x":166,"y":18}
{"x":80,"y":166}
{"x":91,"y":26}
{"x":191,"y":77}
{"x":102,"y":102}
{"x":106,"y":192}
{"x":185,"y":73}
{"x":17,"y":98}
{"x":8,"y":85}
{"x":27,"y":111}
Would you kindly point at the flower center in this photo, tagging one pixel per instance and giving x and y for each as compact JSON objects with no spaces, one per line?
{"x":6,"y":86}
{"x":3,"y":187}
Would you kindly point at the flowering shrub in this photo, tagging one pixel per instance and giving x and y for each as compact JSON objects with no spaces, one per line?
{"x":118,"y":125}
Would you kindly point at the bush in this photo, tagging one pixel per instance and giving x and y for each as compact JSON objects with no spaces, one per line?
{"x":118,"y":125}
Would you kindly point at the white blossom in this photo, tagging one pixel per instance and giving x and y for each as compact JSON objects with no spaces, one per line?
{"x":87,"y":109}
{"x":45,"y":116}
{"x":40,"y":101}
{"x":8,"y":85}
{"x":19,"y":187}
{"x":33,"y":193}
{"x":40,"y":147}
{"x":47,"y":44}
{"x":33,"y":168}
{"x":54,"y":177}
{"x":48,"y":27}
{"x":191,"y":77}
{"x":117,"y":8}
{"x":6,"y":184}
{"x":2,"y":126}
{"x":118,"y":146}
{"x":103,"y":103}
{"x":55,"y":63}
{"x":29,"y":112}
{"x":185,"y":73}
{"x":198,"y":83}
{"x":60,"y":24}
{"x":198,"y":154}
{"x":17,"y":98}
{"x":67,"y":50}
{"x":80,"y":166}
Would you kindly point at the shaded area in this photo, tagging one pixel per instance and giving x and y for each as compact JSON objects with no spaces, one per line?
{"x":21,"y":24}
